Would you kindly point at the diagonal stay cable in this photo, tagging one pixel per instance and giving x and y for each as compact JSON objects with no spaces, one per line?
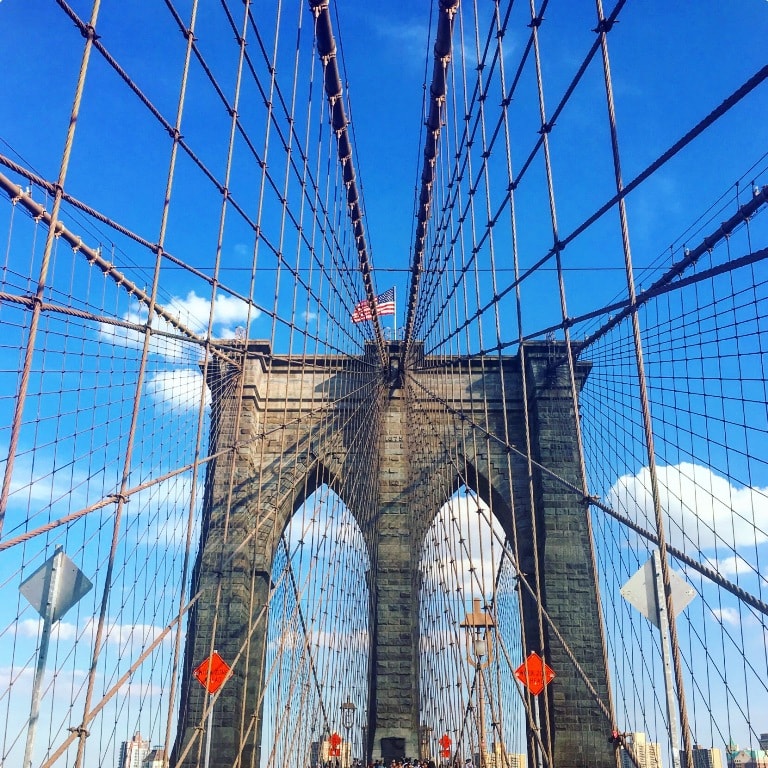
{"x":437,"y":91}
{"x":709,"y":573}
{"x":326,"y":48}
{"x":734,"y":98}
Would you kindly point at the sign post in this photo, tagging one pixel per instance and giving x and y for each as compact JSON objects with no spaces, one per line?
{"x":211,"y":674}
{"x":334,"y":741}
{"x":51,"y":590}
{"x":645,"y":591}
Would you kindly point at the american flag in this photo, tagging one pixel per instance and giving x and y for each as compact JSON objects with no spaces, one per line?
{"x":385,"y":305}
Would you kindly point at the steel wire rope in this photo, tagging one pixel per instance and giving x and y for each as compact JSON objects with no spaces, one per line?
{"x":139,"y":661}
{"x":719,"y":363}
{"x":499,"y":34}
{"x":326,"y":48}
{"x":489,"y":470}
{"x":594,"y":501}
{"x":703,"y":124}
{"x":330,"y":574}
{"x":177,"y":650}
{"x":468,"y":138}
{"x":222,"y":189}
{"x":463,"y":474}
{"x":127,"y":463}
{"x":442,"y":53}
{"x":229,"y":472}
{"x":363,"y":421}
{"x":290,"y":346}
{"x":523,"y":365}
{"x":44,"y":266}
{"x":283,"y":435}
{"x":546,"y":123}
{"x":682,"y":387}
{"x":455,"y":176}
{"x":693,"y":133}
{"x":16,"y":194}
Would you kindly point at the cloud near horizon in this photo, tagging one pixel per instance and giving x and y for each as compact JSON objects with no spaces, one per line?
{"x":702,"y":510}
{"x":193,"y":311}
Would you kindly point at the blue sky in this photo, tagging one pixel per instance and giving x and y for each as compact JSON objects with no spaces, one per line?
{"x":671,"y":66}
{"x":669,"y":69}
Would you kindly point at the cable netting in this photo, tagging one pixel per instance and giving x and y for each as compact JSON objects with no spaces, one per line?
{"x":211,"y":442}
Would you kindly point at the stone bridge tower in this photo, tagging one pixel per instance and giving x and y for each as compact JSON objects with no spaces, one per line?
{"x":295,"y":430}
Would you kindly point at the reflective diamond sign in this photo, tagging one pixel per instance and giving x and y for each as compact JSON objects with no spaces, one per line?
{"x":534,"y":674}
{"x":212,"y":673}
{"x":641,"y":592}
{"x":55,"y":586}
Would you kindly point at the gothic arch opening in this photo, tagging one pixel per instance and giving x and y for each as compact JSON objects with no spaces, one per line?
{"x":468,"y":697}
{"x":317,"y":649}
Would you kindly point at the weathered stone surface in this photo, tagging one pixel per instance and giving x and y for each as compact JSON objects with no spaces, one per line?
{"x":402,"y":451}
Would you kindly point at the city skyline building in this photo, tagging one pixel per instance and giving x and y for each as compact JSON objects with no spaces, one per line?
{"x":498,"y":757}
{"x":155,"y":758}
{"x":707,"y":758}
{"x":648,"y":753}
{"x":746,"y":758}
{"x":133,"y":752}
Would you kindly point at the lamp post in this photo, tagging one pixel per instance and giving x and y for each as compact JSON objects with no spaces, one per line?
{"x":348,"y":710}
{"x":480,"y":626}
{"x":425,"y":746}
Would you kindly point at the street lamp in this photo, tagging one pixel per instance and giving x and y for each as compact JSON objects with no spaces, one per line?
{"x":480,"y":626}
{"x":348,"y":710}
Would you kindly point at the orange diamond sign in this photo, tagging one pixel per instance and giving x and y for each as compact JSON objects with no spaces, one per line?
{"x":212,"y":673}
{"x":534,"y":674}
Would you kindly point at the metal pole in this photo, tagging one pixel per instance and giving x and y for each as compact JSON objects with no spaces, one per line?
{"x":481,"y":715}
{"x":661,"y":602}
{"x":210,"y":731}
{"x":42,"y":656}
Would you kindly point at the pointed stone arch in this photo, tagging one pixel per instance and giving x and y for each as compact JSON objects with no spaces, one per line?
{"x":394,"y":491}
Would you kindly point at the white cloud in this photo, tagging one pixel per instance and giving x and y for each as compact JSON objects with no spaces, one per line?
{"x":35,"y":481}
{"x":407,"y":35}
{"x":472,"y":559}
{"x":177,"y":390}
{"x":193,"y":311}
{"x":732,"y":566}
{"x":124,"y":636}
{"x":436,"y":641}
{"x":727,"y":616}
{"x":160,"y":513}
{"x":171,"y":349}
{"x":701,"y":508}
{"x":61,"y":631}
{"x":309,"y":317}
{"x":292,"y":640}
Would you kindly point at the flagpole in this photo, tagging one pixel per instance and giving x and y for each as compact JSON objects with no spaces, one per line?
{"x":394,"y":315}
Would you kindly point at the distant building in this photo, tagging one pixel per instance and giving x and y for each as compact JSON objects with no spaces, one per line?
{"x":648,"y":753}
{"x":133,"y":752}
{"x":746,"y":758}
{"x":706,"y":758}
{"x":764,"y":742}
{"x":154,"y":759}
{"x":498,"y":757}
